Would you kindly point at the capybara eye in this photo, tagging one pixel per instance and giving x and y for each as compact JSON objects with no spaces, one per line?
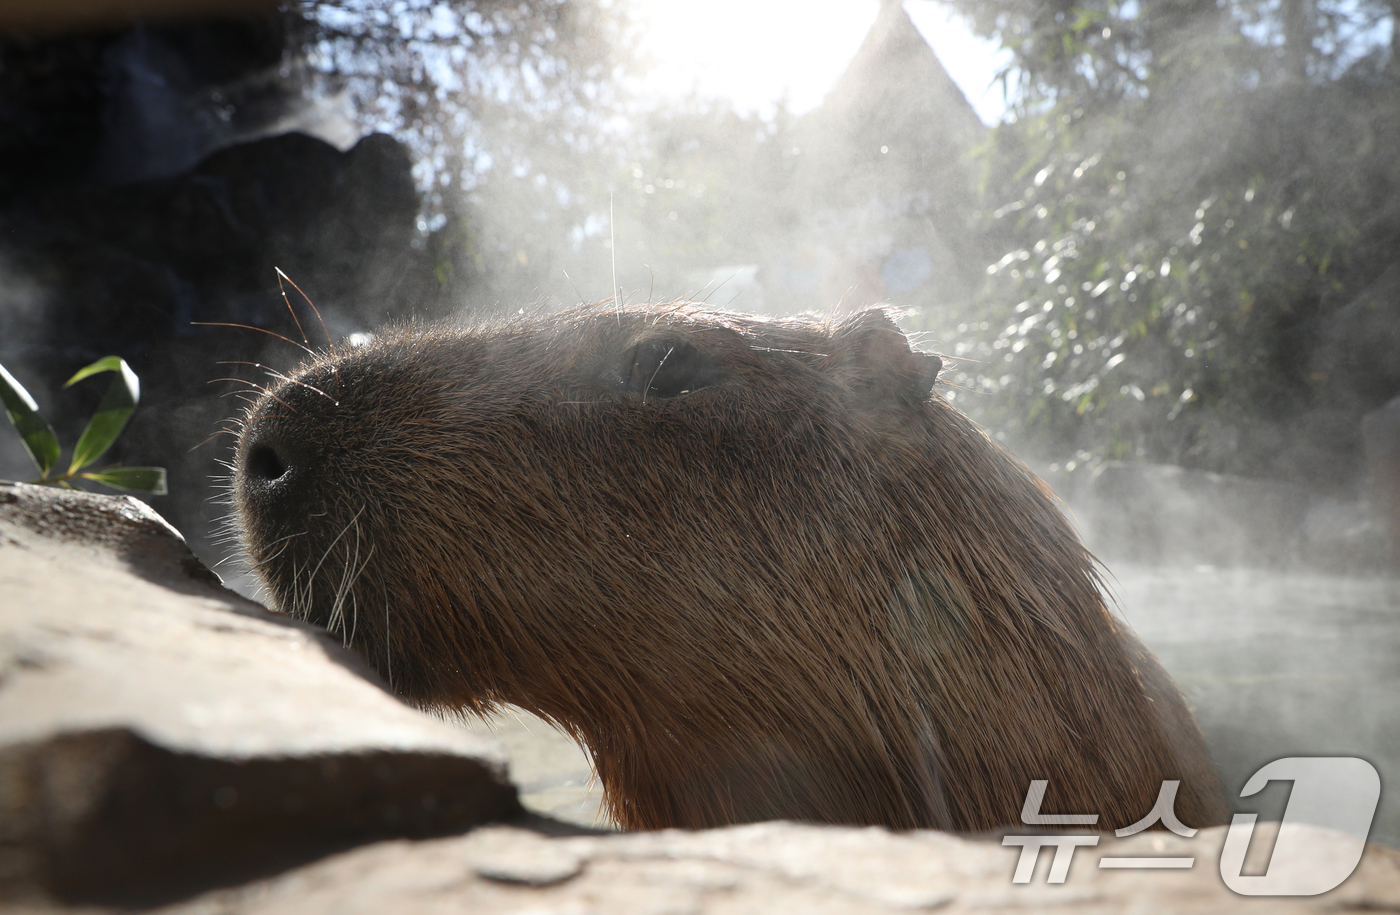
{"x":665,"y":368}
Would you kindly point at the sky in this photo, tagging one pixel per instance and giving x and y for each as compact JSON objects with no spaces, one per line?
{"x":756,"y":52}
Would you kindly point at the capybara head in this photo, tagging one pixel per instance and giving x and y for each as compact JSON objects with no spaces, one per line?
{"x":753,"y":565}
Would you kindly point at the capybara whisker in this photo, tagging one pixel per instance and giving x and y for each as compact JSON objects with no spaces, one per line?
{"x":271,"y":373}
{"x":261,"y":330}
{"x":351,"y":570}
{"x":388,"y":649}
{"x":330,"y":547}
{"x":774,"y":349}
{"x":759,"y":568}
{"x":290,"y":310}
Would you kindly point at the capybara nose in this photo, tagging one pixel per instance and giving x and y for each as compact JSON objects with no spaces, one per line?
{"x":273,"y":467}
{"x":266,"y":463}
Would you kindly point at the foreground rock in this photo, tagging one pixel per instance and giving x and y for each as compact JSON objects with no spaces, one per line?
{"x":777,"y":867}
{"x":158,"y":733}
{"x":166,"y":744}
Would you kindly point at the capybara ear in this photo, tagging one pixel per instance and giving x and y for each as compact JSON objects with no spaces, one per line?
{"x":881,"y":360}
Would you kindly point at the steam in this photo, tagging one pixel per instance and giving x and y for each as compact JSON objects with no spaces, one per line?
{"x":876,"y":196}
{"x":554,"y":180}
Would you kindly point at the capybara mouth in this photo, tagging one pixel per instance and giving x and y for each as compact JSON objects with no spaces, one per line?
{"x":758,"y":567}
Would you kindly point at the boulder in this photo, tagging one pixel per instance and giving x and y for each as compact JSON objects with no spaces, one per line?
{"x":164,"y":742}
{"x":785,"y":867}
{"x":158,"y":732}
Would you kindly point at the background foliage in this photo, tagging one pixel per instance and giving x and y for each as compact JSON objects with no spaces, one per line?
{"x":1185,"y":198}
{"x":533,"y":146}
{"x":1191,"y":194}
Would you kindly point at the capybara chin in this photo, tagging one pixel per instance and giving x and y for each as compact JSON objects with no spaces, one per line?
{"x":754,"y":566}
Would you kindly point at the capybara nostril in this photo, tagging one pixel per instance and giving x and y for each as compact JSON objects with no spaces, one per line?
{"x":275,"y":469}
{"x":266,"y":463}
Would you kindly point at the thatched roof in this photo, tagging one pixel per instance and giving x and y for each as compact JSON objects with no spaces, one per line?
{"x":895,"y":88}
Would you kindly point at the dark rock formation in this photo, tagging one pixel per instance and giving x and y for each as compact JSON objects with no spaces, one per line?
{"x":131,"y":270}
{"x":119,"y":102}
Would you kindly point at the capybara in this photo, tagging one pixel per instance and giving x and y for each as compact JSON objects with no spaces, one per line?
{"x":755,"y":566}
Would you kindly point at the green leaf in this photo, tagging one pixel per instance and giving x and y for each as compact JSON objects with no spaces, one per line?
{"x":37,"y":435}
{"x":109,"y":364}
{"x":112,"y":413}
{"x":136,"y":479}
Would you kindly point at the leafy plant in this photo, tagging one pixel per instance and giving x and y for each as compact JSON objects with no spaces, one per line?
{"x":113,"y":411}
{"x":1188,"y":198}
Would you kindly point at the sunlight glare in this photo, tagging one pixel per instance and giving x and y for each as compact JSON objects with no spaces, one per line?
{"x":753,"y":51}
{"x":757,"y":52}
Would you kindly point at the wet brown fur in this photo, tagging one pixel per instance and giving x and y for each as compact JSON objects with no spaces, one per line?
{"x":806,"y":590}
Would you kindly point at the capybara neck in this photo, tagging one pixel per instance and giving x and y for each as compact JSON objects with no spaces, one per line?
{"x":757,"y":567}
